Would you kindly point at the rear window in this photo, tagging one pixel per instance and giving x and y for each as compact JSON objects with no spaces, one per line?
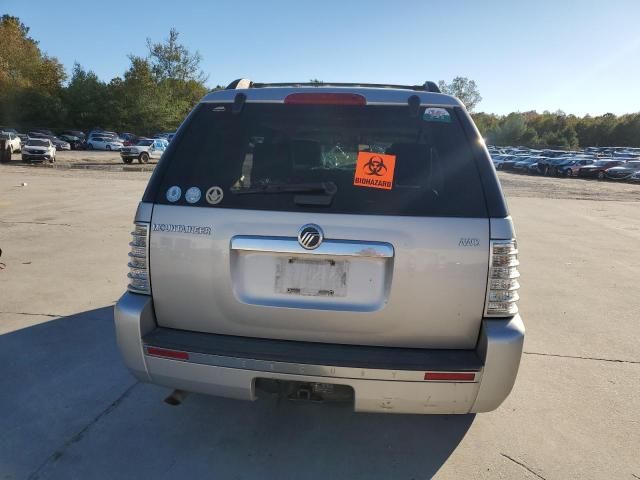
{"x":376,"y":160}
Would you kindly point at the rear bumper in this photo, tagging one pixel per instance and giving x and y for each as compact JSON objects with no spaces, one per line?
{"x":396,"y":387}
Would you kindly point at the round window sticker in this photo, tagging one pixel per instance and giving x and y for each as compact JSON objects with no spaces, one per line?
{"x":193,"y":195}
{"x":174,"y":193}
{"x":214,"y":195}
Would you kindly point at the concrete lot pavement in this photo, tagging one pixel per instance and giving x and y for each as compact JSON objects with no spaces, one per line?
{"x":71,"y":410}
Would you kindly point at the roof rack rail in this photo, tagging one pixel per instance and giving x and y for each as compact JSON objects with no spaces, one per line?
{"x":245,"y":83}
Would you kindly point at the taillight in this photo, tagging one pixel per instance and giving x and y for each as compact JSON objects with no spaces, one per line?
{"x":502,"y":288}
{"x":139,"y":260}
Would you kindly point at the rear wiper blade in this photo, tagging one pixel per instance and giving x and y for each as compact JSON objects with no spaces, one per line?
{"x":328,"y":188}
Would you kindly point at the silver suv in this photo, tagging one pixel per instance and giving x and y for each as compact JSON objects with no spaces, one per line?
{"x":333,"y":241}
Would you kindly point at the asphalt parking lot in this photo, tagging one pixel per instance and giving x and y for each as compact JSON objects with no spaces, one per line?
{"x":71,"y":410}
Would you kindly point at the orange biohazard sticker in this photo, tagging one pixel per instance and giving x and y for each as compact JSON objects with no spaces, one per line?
{"x":374,"y":170}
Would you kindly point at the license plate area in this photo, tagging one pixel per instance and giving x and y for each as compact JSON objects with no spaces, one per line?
{"x":299,"y":276}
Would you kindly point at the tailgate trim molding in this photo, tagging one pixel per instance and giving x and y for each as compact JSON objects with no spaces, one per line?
{"x":347,"y":248}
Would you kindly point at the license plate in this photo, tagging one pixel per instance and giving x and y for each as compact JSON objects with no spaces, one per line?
{"x":311,"y":277}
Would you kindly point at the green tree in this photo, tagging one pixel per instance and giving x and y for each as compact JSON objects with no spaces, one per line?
{"x":145,"y":107}
{"x":513,"y":130}
{"x":29,"y":79}
{"x":464,"y":89}
{"x":171,"y":60}
{"x":179,"y":80}
{"x":485,"y":122}
{"x":86,"y":99}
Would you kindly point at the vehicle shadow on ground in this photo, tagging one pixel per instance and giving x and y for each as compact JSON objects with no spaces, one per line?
{"x":71,"y":410}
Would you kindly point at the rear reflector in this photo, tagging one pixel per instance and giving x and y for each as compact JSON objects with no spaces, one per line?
{"x":163,"y":352}
{"x":325,"y":99}
{"x":451,"y":376}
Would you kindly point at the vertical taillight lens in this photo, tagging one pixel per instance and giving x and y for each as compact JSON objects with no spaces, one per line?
{"x":502,"y":290}
{"x":139,"y":260}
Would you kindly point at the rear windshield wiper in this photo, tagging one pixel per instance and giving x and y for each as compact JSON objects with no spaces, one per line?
{"x":328,"y":188}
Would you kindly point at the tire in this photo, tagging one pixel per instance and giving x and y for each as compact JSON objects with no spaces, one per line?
{"x":601,"y":175}
{"x":108,"y":148}
{"x":568,"y":173}
{"x":143,"y":158}
{"x":89,"y":146}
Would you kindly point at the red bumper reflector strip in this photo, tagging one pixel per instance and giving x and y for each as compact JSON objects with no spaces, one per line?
{"x":451,"y":376}
{"x":325,"y":99}
{"x":163,"y":352}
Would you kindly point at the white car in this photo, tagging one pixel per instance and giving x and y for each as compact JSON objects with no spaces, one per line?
{"x":144,"y":150}
{"x":103,"y":143}
{"x":39,"y":150}
{"x":13,"y":141}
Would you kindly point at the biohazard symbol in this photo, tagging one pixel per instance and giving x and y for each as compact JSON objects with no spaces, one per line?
{"x":375,"y":166}
{"x":374,"y":170}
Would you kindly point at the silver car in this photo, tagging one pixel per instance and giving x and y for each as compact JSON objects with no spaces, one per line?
{"x":326,"y":242}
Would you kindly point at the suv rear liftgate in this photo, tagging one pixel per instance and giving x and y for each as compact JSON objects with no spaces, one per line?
{"x":317,"y":235}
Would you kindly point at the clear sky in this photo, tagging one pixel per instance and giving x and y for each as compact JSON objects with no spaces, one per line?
{"x":581,"y":56}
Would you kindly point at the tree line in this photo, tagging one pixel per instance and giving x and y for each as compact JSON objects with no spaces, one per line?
{"x":546,"y":129}
{"x":158,"y":90}
{"x":154,"y":94}
{"x":560,"y":130}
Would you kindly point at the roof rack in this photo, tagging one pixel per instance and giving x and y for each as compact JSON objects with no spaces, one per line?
{"x":245,"y":83}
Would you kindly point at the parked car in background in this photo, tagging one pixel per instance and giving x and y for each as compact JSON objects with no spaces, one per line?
{"x":37,"y":134}
{"x":103,"y":143}
{"x":57,"y":143}
{"x":144,"y":150}
{"x":43,"y":132}
{"x":523,"y":165}
{"x":509,"y":163}
{"x":554,"y":164}
{"x":597,"y":169}
{"x":570,"y":169}
{"x":12,"y":141}
{"x":532,"y":169}
{"x":76,"y":143}
{"x":104,"y":134}
{"x":498,"y":159}
{"x":60,"y":144}
{"x":74,"y":133}
{"x":624,"y":171}
{"x":39,"y":150}
{"x":128,"y":138}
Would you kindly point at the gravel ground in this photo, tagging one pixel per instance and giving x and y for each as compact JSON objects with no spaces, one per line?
{"x":88,"y":159}
{"x":516,"y":185}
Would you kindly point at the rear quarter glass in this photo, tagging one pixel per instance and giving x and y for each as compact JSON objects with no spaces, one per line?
{"x":434,"y":171}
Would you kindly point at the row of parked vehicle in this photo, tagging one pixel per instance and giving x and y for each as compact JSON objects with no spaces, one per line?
{"x":42,"y":144}
{"x":603,"y":163}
